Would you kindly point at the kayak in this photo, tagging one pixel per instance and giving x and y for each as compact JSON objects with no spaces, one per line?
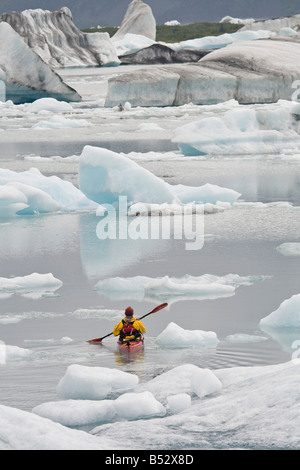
{"x":131,"y":346}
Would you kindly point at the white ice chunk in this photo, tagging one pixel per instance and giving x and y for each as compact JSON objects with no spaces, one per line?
{"x":289,"y":249}
{"x":173,"y":337}
{"x":14,"y":353}
{"x":286,"y":316}
{"x":49,"y":104}
{"x":33,"y":285}
{"x":105,"y":175}
{"x":77,"y":412}
{"x":132,"y":406}
{"x":93,"y":383}
{"x":32,"y":191}
{"x":241,"y":131}
{"x":138,"y":19}
{"x":245,"y":338}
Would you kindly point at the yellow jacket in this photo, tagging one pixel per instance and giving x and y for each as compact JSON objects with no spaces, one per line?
{"x":137,"y":324}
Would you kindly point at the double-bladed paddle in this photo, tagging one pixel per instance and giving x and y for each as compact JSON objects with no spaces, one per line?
{"x":156,"y":309}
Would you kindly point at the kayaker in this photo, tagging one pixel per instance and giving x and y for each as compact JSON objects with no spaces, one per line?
{"x":129,"y":328}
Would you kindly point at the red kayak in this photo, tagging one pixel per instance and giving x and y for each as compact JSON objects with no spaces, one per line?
{"x":131,"y":346}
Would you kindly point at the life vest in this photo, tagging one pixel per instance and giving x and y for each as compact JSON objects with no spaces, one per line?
{"x":128,"y":329}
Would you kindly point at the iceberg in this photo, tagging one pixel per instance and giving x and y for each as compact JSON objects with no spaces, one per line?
{"x":53,"y":36}
{"x":25,"y":75}
{"x":105,"y":175}
{"x":274,"y":24}
{"x":242,"y":131}
{"x":157,"y":54}
{"x":138,"y":20}
{"x":249,"y":71}
{"x":30,"y":192}
{"x":286,"y":316}
{"x":175,"y":337}
{"x":230,"y":19}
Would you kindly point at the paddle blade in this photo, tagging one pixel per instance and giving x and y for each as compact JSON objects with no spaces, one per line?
{"x":156,"y":309}
{"x":96,"y":340}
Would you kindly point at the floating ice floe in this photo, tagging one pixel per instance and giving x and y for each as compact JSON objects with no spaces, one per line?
{"x":32,"y":286}
{"x":245,"y":338}
{"x":30,"y":192}
{"x":243,"y":131}
{"x":286,"y":316}
{"x":105,"y":175}
{"x":206,"y":286}
{"x":289,"y":249}
{"x":174,"y":337}
{"x":94,"y":383}
{"x":11,"y":353}
{"x":50,"y":105}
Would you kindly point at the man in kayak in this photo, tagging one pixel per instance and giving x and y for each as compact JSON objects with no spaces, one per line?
{"x":130,"y":328}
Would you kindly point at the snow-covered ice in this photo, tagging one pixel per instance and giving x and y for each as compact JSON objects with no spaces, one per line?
{"x":225,"y":401}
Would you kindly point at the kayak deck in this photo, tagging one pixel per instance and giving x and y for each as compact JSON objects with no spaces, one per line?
{"x":131,"y":346}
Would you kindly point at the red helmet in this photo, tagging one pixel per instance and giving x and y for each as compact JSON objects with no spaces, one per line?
{"x":129,"y":312}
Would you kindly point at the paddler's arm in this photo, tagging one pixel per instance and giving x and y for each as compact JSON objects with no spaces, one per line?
{"x":138,"y":325}
{"x":117,"y":329}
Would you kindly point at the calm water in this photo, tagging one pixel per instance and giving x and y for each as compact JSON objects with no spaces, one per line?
{"x":241,"y":241}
